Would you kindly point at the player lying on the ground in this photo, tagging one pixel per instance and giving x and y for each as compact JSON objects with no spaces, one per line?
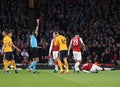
{"x":93,"y":68}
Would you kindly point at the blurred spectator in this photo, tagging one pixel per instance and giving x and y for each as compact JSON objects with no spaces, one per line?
{"x":25,"y":56}
{"x":98,"y":22}
{"x":44,"y":50}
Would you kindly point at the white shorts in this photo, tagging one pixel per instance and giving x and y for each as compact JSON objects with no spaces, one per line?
{"x":77,"y":55}
{"x":55,"y":54}
{"x":95,"y":68}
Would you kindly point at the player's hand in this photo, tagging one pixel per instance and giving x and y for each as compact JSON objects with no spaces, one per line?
{"x":2,"y":52}
{"x":4,"y":60}
{"x":19,"y":50}
{"x":84,"y":49}
{"x":49,"y":55}
{"x":39,"y":47}
{"x":38,"y":21}
{"x":68,"y":53}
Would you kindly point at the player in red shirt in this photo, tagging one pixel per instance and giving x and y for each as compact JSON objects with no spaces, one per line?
{"x":54,"y":50}
{"x":76,"y":43}
{"x":93,"y":68}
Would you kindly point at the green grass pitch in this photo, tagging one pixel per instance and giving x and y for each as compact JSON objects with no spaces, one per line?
{"x":47,"y":78}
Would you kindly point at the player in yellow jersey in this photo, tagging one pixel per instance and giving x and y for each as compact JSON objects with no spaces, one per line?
{"x":60,"y":41}
{"x":7,"y":51}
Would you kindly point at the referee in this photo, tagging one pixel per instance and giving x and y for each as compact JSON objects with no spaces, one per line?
{"x":34,"y":49}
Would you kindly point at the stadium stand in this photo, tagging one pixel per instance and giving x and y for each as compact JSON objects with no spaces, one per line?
{"x":98,"y":22}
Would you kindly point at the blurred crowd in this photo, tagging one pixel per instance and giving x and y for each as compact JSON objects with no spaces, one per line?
{"x":97,"y":21}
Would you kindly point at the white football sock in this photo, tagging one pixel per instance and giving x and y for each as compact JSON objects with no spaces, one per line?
{"x":56,"y":67}
{"x":77,"y":66}
{"x":107,"y":69}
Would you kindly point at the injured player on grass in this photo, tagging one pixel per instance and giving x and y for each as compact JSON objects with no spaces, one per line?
{"x":93,"y":68}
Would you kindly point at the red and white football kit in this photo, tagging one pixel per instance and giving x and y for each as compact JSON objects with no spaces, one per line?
{"x":54,"y":48}
{"x":76,"y":47}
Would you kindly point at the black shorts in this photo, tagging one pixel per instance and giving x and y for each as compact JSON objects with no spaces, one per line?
{"x":63,"y":54}
{"x":8,"y":56}
{"x":34,"y":52}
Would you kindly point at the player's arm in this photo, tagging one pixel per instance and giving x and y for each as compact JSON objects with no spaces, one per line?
{"x":82,"y":43}
{"x":86,"y":71}
{"x":16,"y":47}
{"x":37,"y":27}
{"x":51,"y":46}
{"x":70,"y":46}
{"x":3,"y":46}
{"x":2,"y":49}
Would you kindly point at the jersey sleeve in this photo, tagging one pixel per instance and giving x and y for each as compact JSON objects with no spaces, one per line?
{"x":51,"y":46}
{"x":70,"y":45}
{"x":4,"y":40}
{"x":71,"y":42}
{"x":31,"y":37}
{"x":81,"y":40}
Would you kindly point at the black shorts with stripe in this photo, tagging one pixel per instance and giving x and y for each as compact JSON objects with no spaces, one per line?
{"x":63,"y":54}
{"x":8,"y":56}
{"x":34,"y":53}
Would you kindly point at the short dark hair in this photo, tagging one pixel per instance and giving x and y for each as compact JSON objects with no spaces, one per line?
{"x":77,"y":33}
{"x":56,"y":32}
{"x":61,"y":32}
{"x":7,"y":31}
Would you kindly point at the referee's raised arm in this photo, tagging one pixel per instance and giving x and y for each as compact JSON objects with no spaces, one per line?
{"x":37,"y":27}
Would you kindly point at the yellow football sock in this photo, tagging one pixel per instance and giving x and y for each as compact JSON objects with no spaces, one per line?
{"x":9,"y":63}
{"x":67,"y":66}
{"x":60,"y":65}
{"x":6,"y":65}
{"x":14,"y":65}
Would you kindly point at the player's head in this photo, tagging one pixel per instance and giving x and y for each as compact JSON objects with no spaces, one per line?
{"x":61,"y":32}
{"x":10,"y":33}
{"x":89,"y":61}
{"x":77,"y":34}
{"x":4,"y":33}
{"x":55,"y":33}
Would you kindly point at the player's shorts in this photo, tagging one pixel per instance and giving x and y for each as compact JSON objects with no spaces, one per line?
{"x":77,"y":55}
{"x":95,"y":68}
{"x":55,"y":54}
{"x":34,"y":53}
{"x":8,"y":56}
{"x":63,"y":54}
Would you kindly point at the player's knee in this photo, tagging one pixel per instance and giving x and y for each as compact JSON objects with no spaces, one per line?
{"x":65,"y":59}
{"x":56,"y":62}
